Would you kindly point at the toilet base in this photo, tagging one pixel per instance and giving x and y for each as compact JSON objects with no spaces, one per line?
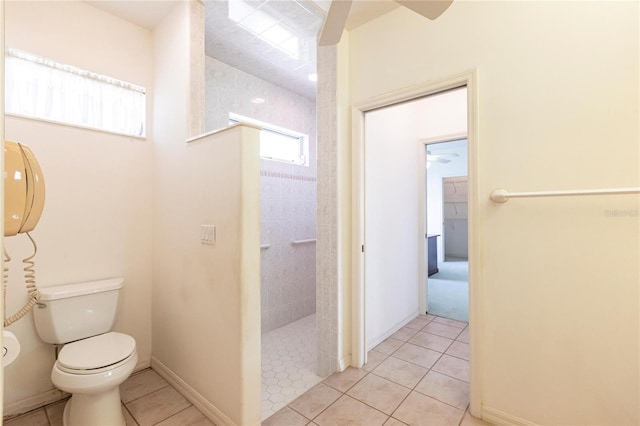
{"x":99,"y":409}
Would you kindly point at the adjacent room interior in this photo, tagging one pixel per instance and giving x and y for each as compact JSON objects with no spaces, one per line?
{"x":447,"y":229}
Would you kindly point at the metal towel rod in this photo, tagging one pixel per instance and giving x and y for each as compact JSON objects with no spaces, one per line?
{"x":296,"y":242}
{"x":502,"y":195}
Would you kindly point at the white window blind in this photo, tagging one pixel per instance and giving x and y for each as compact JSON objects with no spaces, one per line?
{"x":40,"y":88}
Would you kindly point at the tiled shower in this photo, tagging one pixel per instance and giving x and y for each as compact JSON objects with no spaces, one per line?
{"x":287,"y":227}
{"x":288,"y":252}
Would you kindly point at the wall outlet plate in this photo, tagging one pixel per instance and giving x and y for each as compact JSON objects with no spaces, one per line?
{"x":208,"y":234}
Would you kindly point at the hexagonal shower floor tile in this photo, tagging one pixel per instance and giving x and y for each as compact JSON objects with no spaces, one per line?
{"x":289,"y":364}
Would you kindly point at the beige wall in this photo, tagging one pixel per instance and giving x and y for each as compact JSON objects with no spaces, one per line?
{"x":2,"y":165}
{"x":206,"y":299}
{"x":557,"y":109}
{"x":96,"y":218}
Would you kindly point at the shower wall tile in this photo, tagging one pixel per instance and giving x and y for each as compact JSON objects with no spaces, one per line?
{"x":228,"y":89}
{"x":327,"y":218}
{"x":288,"y":272}
{"x":287,"y":192}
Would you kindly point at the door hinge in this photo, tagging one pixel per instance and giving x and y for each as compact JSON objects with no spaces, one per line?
{"x":362,"y":248}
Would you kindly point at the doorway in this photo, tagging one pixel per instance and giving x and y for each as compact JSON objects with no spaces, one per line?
{"x":393,"y":264}
{"x":447,"y":229}
{"x":401,"y":218}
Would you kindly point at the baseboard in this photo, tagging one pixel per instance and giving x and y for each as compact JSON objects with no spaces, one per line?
{"x":498,"y":417}
{"x":142,"y":364}
{"x":33,"y":402}
{"x":398,"y":326}
{"x":208,"y":409}
{"x":344,"y":362}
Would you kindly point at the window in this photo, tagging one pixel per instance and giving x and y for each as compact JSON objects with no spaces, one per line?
{"x":39,"y":88}
{"x":279,"y":144}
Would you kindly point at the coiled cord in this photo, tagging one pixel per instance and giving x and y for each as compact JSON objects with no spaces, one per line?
{"x":30,"y":280}
{"x":5,"y":279}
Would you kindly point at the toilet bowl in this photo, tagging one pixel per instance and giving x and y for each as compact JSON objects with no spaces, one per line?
{"x":94,"y":361}
{"x":92,"y":370}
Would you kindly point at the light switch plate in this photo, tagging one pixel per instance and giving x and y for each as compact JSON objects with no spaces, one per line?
{"x":208,"y":234}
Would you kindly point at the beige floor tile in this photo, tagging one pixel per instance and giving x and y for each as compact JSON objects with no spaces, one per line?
{"x":404,"y":334}
{"x":394,"y":422}
{"x":450,"y":322}
{"x":55,"y":412}
{"x":464,"y":336}
{"x":344,"y":380}
{"x":454,"y":367}
{"x":141,"y":384}
{"x":287,"y":417}
{"x":379,"y":393}
{"x":418,"y":323}
{"x":374,"y":358}
{"x":417,"y":355}
{"x":312,"y":402}
{"x":431,"y":341}
{"x":442,"y":330}
{"x":421,"y":410}
{"x":400,"y":371}
{"x":348,"y":411}
{"x":444,"y":388}
{"x":189,"y":417}
{"x":35,"y":418}
{"x":459,"y":350}
{"x":389,"y":346}
{"x":128,"y":418}
{"x":469,"y":420}
{"x":157,"y":406}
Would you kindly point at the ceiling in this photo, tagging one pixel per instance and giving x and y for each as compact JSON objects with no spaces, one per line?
{"x":274,"y":40}
{"x":145,"y":13}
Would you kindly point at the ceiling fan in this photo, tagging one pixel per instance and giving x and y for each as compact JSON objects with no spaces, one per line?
{"x":439,"y":158}
{"x":339,"y":12}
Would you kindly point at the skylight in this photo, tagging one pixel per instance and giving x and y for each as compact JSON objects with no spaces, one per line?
{"x":265,"y":27}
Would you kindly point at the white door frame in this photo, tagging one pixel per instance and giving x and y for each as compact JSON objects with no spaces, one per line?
{"x":468,"y":79}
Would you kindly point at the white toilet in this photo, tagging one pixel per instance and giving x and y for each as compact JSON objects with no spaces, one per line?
{"x":93,"y":361}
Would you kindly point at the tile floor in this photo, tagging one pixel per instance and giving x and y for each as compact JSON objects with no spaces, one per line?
{"x":289,"y":364}
{"x":147,"y":399}
{"x":418,"y":376}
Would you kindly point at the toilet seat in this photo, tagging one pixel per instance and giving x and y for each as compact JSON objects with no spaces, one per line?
{"x":96,"y":354}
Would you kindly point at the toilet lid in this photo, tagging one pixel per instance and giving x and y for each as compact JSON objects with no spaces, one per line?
{"x":96,"y":352}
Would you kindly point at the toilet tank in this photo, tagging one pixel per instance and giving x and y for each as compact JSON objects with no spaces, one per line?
{"x":70,"y":312}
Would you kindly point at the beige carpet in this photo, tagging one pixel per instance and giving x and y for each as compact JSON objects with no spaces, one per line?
{"x":448,"y":291}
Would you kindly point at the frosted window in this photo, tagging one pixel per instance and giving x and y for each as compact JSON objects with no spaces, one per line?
{"x":39,"y":88}
{"x":279,"y":144}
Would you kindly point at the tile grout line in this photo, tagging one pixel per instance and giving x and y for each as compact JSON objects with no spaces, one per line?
{"x":428,"y":369}
{"x":174,"y":414}
{"x":146,"y":394}
{"x":387,"y":356}
{"x":166,"y":418}
{"x":465,"y":412}
{"x":132,"y":416}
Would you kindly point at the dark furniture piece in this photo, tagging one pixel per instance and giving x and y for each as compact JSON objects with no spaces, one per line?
{"x":432,"y":247}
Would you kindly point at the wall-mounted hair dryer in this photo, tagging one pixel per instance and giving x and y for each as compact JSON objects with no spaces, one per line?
{"x":24,"y":195}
